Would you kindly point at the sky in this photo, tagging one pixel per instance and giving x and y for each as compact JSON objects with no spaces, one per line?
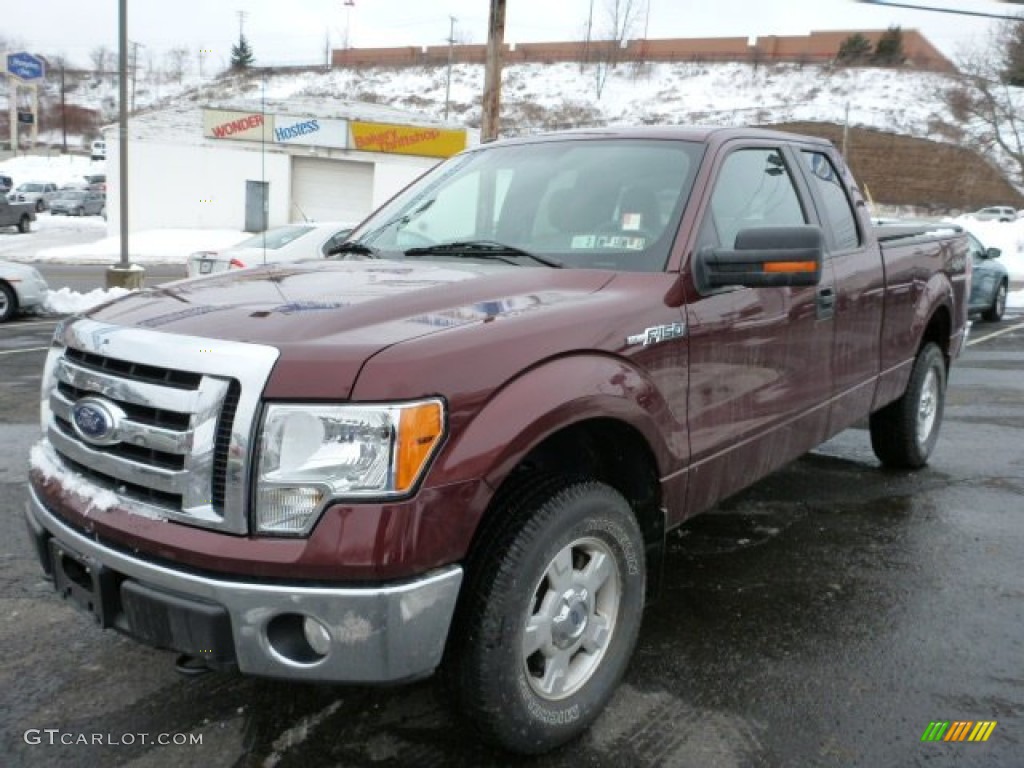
{"x":296,"y":31}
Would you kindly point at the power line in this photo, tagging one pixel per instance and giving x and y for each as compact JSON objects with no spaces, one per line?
{"x":887,"y":4}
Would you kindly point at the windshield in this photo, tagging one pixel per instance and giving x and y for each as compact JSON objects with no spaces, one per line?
{"x":30,"y":188}
{"x":72,"y":194}
{"x":599,"y":204}
{"x":275,"y":238}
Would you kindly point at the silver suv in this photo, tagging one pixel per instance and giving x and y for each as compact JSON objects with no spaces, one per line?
{"x":38,"y":192}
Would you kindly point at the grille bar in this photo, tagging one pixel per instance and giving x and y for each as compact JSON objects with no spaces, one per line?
{"x":179,"y":436}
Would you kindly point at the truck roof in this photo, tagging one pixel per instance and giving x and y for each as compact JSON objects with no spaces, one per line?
{"x":699,"y":133}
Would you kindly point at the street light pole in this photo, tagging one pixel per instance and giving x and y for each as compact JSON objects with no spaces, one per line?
{"x":123,"y":275}
{"x":490,"y":122}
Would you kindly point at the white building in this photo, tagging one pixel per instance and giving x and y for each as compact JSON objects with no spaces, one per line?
{"x":252,"y":165}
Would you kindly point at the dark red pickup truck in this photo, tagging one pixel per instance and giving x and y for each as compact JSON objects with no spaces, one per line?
{"x":460,"y":441}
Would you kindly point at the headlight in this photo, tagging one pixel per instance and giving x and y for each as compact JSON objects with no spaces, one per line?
{"x":49,"y":381}
{"x":312,"y":453}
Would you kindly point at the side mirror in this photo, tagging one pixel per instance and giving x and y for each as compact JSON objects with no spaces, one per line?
{"x":993,"y":253}
{"x":764,"y":257}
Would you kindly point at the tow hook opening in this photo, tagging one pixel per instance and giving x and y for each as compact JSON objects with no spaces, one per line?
{"x":298,"y":638}
{"x":190,"y":666}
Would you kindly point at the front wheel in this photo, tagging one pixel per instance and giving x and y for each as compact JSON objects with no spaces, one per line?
{"x":8,"y":303}
{"x":24,"y":225}
{"x":995,"y":312}
{"x":904,"y":433}
{"x":550,"y":614}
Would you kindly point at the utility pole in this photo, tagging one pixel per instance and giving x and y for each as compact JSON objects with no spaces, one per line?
{"x":241,"y":22}
{"x":135,"y":68}
{"x":451,"y":53}
{"x":491,"y":120}
{"x":63,"y":111}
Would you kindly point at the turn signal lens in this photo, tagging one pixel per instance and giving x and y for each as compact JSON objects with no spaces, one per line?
{"x":420,"y":429}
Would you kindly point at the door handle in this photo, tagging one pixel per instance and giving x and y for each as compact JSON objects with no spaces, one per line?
{"x":826,"y":302}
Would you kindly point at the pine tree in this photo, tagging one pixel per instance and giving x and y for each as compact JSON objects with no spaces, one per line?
{"x":241,"y":54}
{"x":889,"y":50}
{"x":856,"y":49}
{"x":1011,"y":40}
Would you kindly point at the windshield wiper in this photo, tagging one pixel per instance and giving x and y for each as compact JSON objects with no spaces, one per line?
{"x":482,"y":249}
{"x":353,"y":246}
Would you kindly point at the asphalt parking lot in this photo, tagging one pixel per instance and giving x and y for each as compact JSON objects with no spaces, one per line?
{"x":823,"y":617}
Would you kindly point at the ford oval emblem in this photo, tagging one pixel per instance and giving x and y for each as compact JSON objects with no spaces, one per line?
{"x":95,"y":420}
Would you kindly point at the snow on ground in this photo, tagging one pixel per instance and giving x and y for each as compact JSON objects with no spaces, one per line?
{"x":155,"y":246}
{"x":1006,"y":236}
{"x":1015,"y":300}
{"x":56,"y":168}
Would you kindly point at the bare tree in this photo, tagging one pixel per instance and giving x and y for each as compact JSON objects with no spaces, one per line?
{"x":101,"y":58}
{"x":988,"y":104}
{"x":176,"y":62}
{"x":620,"y":22}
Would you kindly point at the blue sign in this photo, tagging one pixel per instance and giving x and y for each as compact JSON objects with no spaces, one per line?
{"x":25,"y":65}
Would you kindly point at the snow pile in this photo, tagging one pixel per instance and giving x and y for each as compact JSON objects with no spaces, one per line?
{"x":153,"y":246}
{"x":56,"y":168}
{"x":1006,"y":236}
{"x":68,"y":302}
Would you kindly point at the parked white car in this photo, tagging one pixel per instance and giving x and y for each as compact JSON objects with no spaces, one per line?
{"x":293,"y":242}
{"x":995,"y":213}
{"x":21,"y":287}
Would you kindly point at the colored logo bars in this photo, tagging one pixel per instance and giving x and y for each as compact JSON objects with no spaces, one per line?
{"x":958,"y":730}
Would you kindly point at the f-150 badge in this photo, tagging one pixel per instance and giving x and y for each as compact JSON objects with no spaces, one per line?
{"x":658,"y":333}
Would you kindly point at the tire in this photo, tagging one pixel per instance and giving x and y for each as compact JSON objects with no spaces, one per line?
{"x":79,"y":212}
{"x":995,"y":312}
{"x":24,"y":225}
{"x":40,"y":205}
{"x":904,"y":433}
{"x":549,"y":614}
{"x":8,"y":303}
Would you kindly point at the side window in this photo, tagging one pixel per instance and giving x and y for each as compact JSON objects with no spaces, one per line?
{"x":754,"y":189}
{"x":838,"y":211}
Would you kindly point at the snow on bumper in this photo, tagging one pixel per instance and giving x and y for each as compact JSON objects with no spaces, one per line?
{"x":369,"y":634}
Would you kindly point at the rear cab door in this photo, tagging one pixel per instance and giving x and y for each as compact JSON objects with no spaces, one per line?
{"x":857,"y":291}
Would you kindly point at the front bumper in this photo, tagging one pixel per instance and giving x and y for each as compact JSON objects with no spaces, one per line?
{"x":377,"y":634}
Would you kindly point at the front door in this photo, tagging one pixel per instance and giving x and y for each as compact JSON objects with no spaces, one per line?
{"x":256,"y":205}
{"x":760,"y":358}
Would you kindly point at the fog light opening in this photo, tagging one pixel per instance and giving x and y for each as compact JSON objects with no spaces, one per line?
{"x":298,"y":639}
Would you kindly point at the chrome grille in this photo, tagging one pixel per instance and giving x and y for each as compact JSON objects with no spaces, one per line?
{"x":181,"y":439}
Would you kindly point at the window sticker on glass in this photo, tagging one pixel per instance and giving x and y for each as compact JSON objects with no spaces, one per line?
{"x":631,"y":222}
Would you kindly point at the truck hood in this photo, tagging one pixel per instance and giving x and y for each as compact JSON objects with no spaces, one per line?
{"x":328,"y":318}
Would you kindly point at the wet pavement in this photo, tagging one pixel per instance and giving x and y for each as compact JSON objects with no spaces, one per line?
{"x":824,"y":617}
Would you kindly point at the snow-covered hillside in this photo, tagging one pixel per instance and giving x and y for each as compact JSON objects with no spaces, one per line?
{"x":544,"y":96}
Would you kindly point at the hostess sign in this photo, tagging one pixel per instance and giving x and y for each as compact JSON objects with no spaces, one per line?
{"x":238,"y":126}
{"x":311,"y":131}
{"x":25,"y":66}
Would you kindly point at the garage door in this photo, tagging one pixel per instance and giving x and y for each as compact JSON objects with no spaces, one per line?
{"x":330,"y":190}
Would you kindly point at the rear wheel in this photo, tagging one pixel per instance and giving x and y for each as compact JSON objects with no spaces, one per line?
{"x":549,"y":615}
{"x":24,"y":224}
{"x":904,"y":433}
{"x":40,"y":205}
{"x":995,"y":312}
{"x":8,"y":303}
